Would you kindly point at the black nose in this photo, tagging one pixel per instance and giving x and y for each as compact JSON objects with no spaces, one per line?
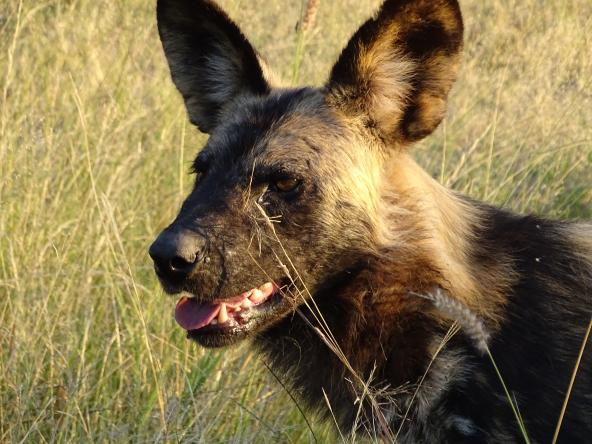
{"x":176,"y":253}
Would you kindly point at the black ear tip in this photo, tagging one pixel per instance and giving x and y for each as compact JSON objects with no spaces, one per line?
{"x":184,"y":8}
{"x":163,"y":8}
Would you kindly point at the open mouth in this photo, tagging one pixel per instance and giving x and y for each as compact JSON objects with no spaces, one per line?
{"x":225,"y":314}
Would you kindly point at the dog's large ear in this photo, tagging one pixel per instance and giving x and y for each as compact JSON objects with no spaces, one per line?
{"x":398,"y":68}
{"x":211,"y":61}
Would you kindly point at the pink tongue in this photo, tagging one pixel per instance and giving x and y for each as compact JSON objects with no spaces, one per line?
{"x":192,"y":315}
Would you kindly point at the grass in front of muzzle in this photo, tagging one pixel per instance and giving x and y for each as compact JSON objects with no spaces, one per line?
{"x":94,"y":152}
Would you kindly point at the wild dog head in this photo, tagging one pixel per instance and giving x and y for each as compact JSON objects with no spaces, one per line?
{"x":288,"y":187}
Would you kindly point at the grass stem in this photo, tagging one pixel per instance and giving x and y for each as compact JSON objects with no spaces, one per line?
{"x":571,"y":382}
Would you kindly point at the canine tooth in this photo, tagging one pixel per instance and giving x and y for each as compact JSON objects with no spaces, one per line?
{"x":214,"y":322}
{"x":222,"y":315}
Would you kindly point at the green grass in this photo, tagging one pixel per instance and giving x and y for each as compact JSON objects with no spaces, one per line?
{"x":94,"y":154}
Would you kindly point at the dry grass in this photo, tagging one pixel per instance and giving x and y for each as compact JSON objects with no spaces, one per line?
{"x":94,"y":151}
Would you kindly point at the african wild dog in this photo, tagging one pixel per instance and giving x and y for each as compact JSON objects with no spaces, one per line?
{"x":308,"y":198}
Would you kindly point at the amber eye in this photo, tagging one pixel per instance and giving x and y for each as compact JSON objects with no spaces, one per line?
{"x":287,"y":184}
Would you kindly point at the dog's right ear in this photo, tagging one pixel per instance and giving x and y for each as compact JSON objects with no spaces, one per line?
{"x":211,"y":61}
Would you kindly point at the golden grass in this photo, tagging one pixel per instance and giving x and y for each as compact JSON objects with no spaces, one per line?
{"x":94,"y":153}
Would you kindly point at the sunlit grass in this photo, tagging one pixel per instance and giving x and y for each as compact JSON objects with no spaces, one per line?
{"x":94,"y":151}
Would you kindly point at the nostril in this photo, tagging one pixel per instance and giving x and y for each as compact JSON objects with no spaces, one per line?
{"x":176,"y":253}
{"x":181,"y":264}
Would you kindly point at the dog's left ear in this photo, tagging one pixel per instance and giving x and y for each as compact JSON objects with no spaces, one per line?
{"x":211,"y":61}
{"x":397,"y":70}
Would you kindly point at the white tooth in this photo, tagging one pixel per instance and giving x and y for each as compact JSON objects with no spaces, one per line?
{"x":222,"y":315}
{"x":214,"y":322}
{"x":246,"y":303}
{"x":236,"y":309}
{"x":257,"y":296}
{"x":266,"y":288}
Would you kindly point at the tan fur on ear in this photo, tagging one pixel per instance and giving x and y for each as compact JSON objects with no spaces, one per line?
{"x":387,"y":77}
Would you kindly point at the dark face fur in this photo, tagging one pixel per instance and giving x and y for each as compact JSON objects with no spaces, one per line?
{"x":260,"y":202}
{"x":289,"y":182}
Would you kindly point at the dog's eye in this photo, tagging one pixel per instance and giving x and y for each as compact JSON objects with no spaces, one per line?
{"x":286,"y":184}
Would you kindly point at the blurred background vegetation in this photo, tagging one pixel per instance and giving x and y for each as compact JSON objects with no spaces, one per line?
{"x":94,"y":155}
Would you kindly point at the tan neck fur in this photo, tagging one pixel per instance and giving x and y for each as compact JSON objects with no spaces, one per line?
{"x":441,"y":227}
